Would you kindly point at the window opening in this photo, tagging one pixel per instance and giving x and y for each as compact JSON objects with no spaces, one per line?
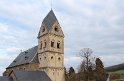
{"x":43,"y":29}
{"x":59,"y":58}
{"x":44,"y":44}
{"x":52,"y":57}
{"x":58,"y":45}
{"x":52,"y":44}
{"x":41,"y":45}
{"x":56,"y":29}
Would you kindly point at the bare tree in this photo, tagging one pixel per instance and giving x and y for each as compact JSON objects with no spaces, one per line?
{"x":88,"y":63}
{"x":87,"y":59}
{"x":82,"y":67}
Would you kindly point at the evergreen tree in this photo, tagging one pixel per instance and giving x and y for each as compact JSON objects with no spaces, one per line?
{"x":71,"y":71}
{"x":100,"y":71}
{"x":71,"y":74}
{"x":66,"y":75}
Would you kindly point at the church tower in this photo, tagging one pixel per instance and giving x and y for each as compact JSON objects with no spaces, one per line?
{"x":51,"y":48}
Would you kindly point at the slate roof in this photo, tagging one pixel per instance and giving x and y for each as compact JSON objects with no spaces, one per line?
{"x":22,"y":75}
{"x":49,"y":20}
{"x":28,"y":56}
{"x":5,"y":78}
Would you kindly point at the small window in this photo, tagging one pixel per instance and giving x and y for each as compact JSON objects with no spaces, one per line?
{"x":40,"y":58}
{"x":59,"y":58}
{"x":43,"y":29}
{"x":52,"y":57}
{"x":58,"y":45}
{"x":41,"y":45}
{"x":26,"y":57}
{"x":44,"y":57}
{"x":56,"y":29}
{"x":52,"y":44}
{"x":44,"y":44}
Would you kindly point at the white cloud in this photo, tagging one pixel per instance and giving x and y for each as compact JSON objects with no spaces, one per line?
{"x":13,"y":50}
{"x":72,"y":61}
{"x":3,"y":28}
{"x":5,"y":60}
{"x":1,"y":71}
{"x":112,"y":59}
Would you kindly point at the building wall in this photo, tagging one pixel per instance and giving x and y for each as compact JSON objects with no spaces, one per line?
{"x":49,"y":59}
{"x":56,"y":74}
{"x":30,"y":67}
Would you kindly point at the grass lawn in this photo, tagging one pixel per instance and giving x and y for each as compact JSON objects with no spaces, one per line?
{"x":121,"y":79}
{"x":119,"y":72}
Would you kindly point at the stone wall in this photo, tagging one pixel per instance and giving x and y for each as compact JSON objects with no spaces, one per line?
{"x":30,"y":67}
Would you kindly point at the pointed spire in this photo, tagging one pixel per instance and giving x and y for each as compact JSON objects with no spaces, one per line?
{"x":49,"y":20}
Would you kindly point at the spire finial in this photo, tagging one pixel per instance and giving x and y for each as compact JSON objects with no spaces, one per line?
{"x":51,"y":4}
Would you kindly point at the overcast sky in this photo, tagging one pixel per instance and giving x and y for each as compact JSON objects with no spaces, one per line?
{"x":95,"y":24}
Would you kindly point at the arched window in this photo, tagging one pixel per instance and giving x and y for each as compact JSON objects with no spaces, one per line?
{"x":45,"y":43}
{"x":58,"y":44}
{"x":41,"y":45}
{"x":43,"y":29}
{"x":56,"y":29}
{"x":52,"y":44}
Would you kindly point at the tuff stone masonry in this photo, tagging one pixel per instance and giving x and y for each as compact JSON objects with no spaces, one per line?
{"x":46,"y":60}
